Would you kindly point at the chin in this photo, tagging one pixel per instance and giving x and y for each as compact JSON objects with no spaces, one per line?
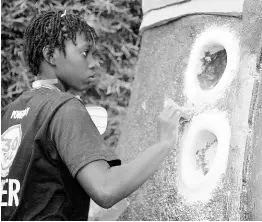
{"x":84,"y":87}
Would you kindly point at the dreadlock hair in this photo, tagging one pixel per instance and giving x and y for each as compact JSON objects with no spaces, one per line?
{"x":51,"y":30}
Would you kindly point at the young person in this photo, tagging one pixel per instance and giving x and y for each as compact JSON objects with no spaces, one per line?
{"x":53,"y":157}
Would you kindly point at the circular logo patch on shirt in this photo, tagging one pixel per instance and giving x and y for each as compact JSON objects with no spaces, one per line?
{"x":10,"y":142}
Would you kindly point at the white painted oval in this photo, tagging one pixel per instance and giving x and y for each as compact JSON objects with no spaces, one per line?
{"x":193,"y":185}
{"x":224,"y":37}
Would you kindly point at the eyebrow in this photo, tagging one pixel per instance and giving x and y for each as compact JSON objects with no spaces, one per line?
{"x":85,"y":45}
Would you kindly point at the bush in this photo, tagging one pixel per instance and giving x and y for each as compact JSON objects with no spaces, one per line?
{"x":117,"y":25}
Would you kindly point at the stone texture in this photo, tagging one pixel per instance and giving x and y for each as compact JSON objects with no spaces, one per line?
{"x":162,"y":62}
{"x":252,"y":49}
{"x":160,"y":72}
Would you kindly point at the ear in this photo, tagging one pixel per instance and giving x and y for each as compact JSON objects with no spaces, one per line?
{"x":48,"y":58}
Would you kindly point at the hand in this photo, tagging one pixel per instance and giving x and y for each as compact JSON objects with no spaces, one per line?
{"x":168,"y":124}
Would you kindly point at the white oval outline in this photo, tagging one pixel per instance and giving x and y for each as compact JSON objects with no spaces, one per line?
{"x":193,"y":186}
{"x":224,"y":37}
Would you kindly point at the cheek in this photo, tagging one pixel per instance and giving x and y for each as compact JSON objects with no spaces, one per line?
{"x":73,"y":66}
{"x":72,"y":70}
{"x":77,"y":65}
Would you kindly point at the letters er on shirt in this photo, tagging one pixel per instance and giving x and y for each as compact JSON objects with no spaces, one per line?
{"x":10,"y":142}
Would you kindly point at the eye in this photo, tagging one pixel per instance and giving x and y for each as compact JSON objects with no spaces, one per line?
{"x":85,"y":53}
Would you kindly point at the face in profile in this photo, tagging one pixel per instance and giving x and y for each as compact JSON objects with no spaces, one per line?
{"x":77,"y":67}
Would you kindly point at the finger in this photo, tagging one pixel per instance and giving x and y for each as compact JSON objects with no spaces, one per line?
{"x":167,"y":109}
{"x":169,"y":102}
{"x":167,"y":112}
{"x":179,"y":117}
{"x":173,"y":112}
{"x":176,"y":114}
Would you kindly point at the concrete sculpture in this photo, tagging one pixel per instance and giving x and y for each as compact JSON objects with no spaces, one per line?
{"x":205,"y":56}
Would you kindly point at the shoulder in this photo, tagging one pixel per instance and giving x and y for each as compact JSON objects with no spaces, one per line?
{"x":52,"y":99}
{"x":53,"y":95}
{"x":72,"y":110}
{"x":72,"y":103}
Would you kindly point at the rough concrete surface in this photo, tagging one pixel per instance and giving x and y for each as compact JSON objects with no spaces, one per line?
{"x":252,"y":173}
{"x":160,"y":73}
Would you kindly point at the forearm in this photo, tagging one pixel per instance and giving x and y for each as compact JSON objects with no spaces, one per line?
{"x":107,"y":186}
{"x":122,"y":180}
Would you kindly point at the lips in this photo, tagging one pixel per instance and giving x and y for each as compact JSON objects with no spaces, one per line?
{"x":90,"y":75}
{"x":92,"y":80}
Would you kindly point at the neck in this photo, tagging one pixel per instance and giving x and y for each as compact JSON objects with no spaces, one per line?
{"x":48,"y":72}
{"x":59,"y":84}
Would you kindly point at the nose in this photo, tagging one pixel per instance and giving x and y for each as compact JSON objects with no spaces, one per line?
{"x":92,"y":63}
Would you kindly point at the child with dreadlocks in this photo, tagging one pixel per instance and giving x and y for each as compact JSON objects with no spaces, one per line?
{"x":53,"y":157}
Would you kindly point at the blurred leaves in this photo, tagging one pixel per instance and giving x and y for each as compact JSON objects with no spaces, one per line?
{"x":117,"y":25}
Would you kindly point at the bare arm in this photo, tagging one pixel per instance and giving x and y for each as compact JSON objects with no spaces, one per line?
{"x":107,"y":186}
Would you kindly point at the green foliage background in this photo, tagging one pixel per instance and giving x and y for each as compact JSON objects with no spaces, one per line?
{"x":116,"y":23}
